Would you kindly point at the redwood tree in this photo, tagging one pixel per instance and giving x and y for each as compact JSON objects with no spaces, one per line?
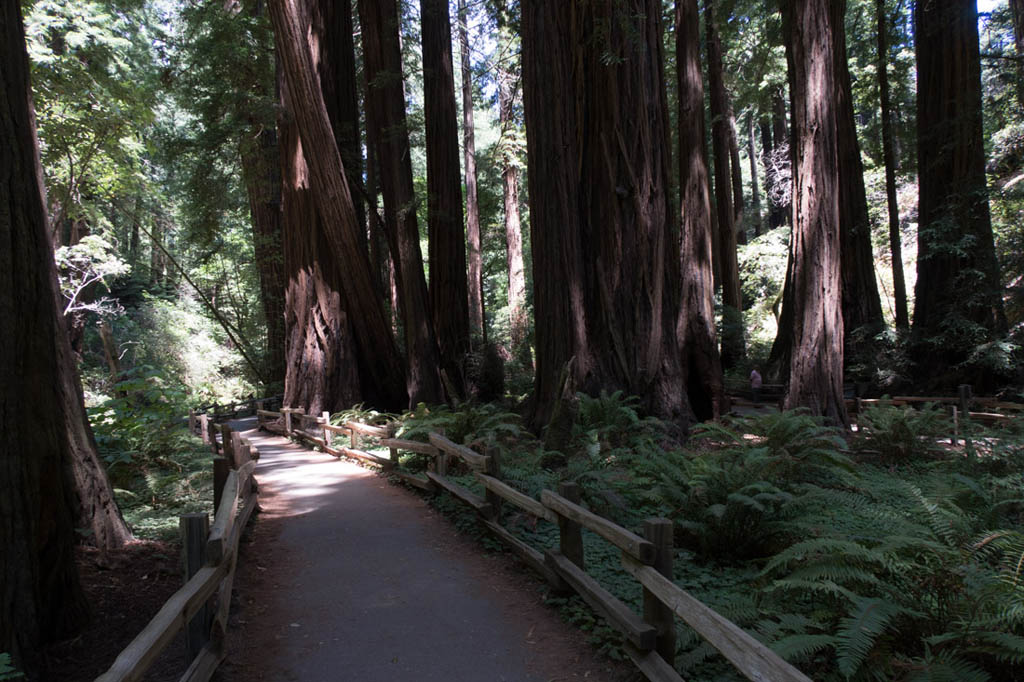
{"x":721,"y":134}
{"x":519,"y":323}
{"x":816,"y":362}
{"x":899,"y":284}
{"x":379,"y":365}
{"x":449,"y":295}
{"x":321,"y":367}
{"x":40,"y":595}
{"x":696,"y":330}
{"x":596,"y":127}
{"x":958,"y":303}
{"x":862,"y":307}
{"x":385,"y":113}
{"x":476,"y":268}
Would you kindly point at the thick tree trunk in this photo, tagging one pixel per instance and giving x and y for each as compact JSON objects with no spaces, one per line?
{"x":696,"y":328}
{"x":321,"y":366}
{"x":755,"y":191}
{"x":899,"y":283}
{"x":379,"y":364}
{"x":40,"y":593}
{"x":261,"y":170}
{"x":604,"y":253}
{"x":732,"y":299}
{"x":449,"y":295}
{"x":958,"y":302}
{"x":476,"y":268}
{"x":386,"y":114}
{"x":519,"y":322}
{"x":862,"y":308}
{"x":816,"y":364}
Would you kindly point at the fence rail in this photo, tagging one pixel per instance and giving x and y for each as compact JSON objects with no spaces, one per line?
{"x":649,"y":637}
{"x":195,"y":608}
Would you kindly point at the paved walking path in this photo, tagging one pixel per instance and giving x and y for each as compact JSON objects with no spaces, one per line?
{"x":348,"y":577}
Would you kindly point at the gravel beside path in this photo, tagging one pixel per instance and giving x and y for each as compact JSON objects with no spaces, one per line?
{"x":347,"y":577}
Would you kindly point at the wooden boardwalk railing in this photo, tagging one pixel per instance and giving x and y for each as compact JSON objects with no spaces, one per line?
{"x":190,"y":608}
{"x":649,"y":637}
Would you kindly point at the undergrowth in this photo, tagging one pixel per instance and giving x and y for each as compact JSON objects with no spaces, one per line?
{"x":880,"y":556}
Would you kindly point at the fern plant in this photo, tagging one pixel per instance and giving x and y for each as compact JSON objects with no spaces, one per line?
{"x":901,"y":434}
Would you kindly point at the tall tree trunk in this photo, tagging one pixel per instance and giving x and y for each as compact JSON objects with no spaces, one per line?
{"x":732,"y":301}
{"x":736,"y":174}
{"x":40,"y":593}
{"x":380,"y":368}
{"x":604,"y":254}
{"x":340,"y":88}
{"x":958,"y":302}
{"x":382,"y":59}
{"x":862,"y":307}
{"x":755,"y":191}
{"x":507,"y":86}
{"x":262,"y":172}
{"x":766,"y":160}
{"x":899,"y":283}
{"x":476,"y":268}
{"x":321,"y":367}
{"x":1017,"y":17}
{"x":816,"y":364}
{"x":696,"y":328}
{"x":781,"y":143}
{"x":449,"y":295}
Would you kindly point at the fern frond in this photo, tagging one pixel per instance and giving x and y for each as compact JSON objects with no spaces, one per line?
{"x":803,"y":646}
{"x":859,"y":632}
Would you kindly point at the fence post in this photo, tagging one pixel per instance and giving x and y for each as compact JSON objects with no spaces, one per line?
{"x":287,"y":420}
{"x":194,"y":530}
{"x":656,"y":613}
{"x":211,"y":430}
{"x":353,"y":439}
{"x":191,"y":420}
{"x":237,"y":459}
{"x":494,"y":469}
{"x":570,"y":533}
{"x":963,"y":392}
{"x":956,"y":426}
{"x":225,"y":444}
{"x":204,"y":429}
{"x":327,"y":434}
{"x":393,"y":452}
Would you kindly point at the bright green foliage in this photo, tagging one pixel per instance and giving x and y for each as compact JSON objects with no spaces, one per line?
{"x":94,"y":77}
{"x":90,"y":264}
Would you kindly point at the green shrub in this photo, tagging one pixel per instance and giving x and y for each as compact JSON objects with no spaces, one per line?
{"x":901,"y":434}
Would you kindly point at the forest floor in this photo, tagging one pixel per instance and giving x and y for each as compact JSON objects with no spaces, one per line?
{"x":124,"y":588}
{"x":344,"y":571}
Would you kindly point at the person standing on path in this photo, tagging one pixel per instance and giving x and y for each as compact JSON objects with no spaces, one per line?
{"x":755,"y":385}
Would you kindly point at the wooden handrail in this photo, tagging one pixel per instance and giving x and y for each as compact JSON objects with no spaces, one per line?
{"x":474,"y":460}
{"x":626,"y":540}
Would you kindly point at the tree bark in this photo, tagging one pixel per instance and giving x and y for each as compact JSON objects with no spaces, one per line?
{"x":476,"y":268}
{"x":321,"y":366}
{"x":40,"y":593}
{"x":816,"y":364}
{"x":732,"y":299}
{"x":262,"y":173}
{"x":449,"y":294}
{"x":382,"y":59}
{"x":519,"y":322}
{"x":736,"y":174}
{"x":604,"y":253}
{"x":755,"y":191}
{"x":379,"y":364}
{"x":958,"y":302}
{"x":862,"y":307}
{"x":696,"y":328}
{"x":899,"y":284}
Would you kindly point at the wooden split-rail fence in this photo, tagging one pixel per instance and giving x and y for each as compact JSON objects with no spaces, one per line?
{"x":649,"y":637}
{"x":210,"y":555}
